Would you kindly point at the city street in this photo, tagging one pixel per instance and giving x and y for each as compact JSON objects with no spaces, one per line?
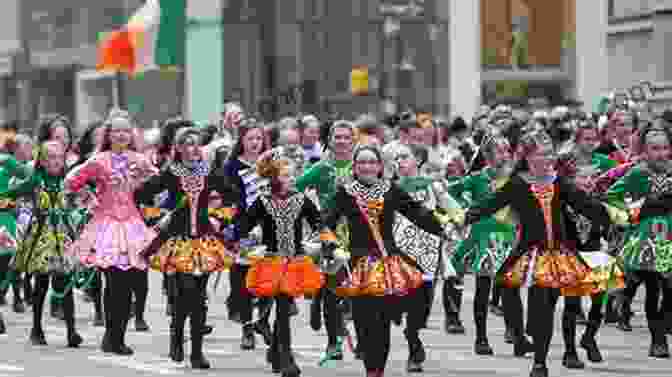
{"x":448,"y":355}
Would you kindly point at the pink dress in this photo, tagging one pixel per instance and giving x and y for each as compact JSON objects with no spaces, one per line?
{"x":117,"y":233}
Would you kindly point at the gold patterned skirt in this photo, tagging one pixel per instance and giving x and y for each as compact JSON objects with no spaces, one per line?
{"x":192,"y":255}
{"x":562,"y":269}
{"x":606,"y":273}
{"x":371,"y":276}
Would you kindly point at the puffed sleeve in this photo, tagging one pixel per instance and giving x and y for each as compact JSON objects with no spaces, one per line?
{"x":77,"y":178}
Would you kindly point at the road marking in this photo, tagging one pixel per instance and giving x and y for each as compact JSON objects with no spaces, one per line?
{"x":137,"y":365}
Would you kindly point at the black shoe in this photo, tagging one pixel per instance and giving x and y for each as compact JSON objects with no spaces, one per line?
{"x":18,"y":306}
{"x":359,"y":353}
{"x":141,"y":325}
{"x":414,"y":367}
{"x":593,"y":352}
{"x":98,"y":321}
{"x":176,"y":349}
{"x":334,"y":352}
{"x":482,"y":347}
{"x":74,"y":339}
{"x":624,"y":325}
{"x":248,"y":342}
{"x":207,"y":330}
{"x":291,"y":371}
{"x":3,"y":298}
{"x":539,"y":370}
{"x":37,"y":337}
{"x":200,"y":362}
{"x":3,"y":328}
{"x":123,"y":350}
{"x":106,"y":344}
{"x":571,"y":361}
{"x":496,"y":310}
{"x":508,"y":336}
{"x":659,"y":351}
{"x":454,"y":326}
{"x":522,"y":347}
{"x":264,"y":329}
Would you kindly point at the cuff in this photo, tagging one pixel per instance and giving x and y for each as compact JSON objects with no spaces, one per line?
{"x":635,"y":215}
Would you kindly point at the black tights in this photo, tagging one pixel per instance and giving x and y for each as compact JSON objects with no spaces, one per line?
{"x":117,"y":303}
{"x":570,"y":312}
{"x":140,"y":290}
{"x":481,"y":297}
{"x":281,"y":346}
{"x":452,"y":297}
{"x":373,"y":316}
{"x":189,"y":303}
{"x":333,"y":316}
{"x":5,"y":272}
{"x":59,"y":284}
{"x":541,"y":309}
{"x":654,"y":283}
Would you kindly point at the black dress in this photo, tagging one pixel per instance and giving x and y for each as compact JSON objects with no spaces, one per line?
{"x":372,"y":315}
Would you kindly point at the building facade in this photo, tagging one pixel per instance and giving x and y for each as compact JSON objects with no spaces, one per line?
{"x":278,"y":57}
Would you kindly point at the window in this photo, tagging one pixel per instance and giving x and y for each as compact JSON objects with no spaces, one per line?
{"x":318,"y":9}
{"x":610,"y":8}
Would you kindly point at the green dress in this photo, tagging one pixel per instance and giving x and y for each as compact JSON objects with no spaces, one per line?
{"x":490,"y":241}
{"x":48,"y":232}
{"x":648,"y":245}
{"x":9,"y":168}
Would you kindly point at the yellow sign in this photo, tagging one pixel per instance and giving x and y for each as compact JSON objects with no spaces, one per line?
{"x":359,"y":81}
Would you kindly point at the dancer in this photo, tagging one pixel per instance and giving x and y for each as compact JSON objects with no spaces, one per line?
{"x":240,"y":169}
{"x":369,"y":204}
{"x":583,"y":166}
{"x":43,"y":246}
{"x":427,"y":250}
{"x":116,"y":234}
{"x":536,"y":195}
{"x":490,"y":241}
{"x":646,"y":252}
{"x":187,"y":245}
{"x":9,"y":168}
{"x":281,"y":215}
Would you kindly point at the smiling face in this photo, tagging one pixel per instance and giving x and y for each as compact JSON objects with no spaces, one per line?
{"x":284,"y":181}
{"x":53,"y":158}
{"x":657,"y":149}
{"x":367,"y":166}
{"x":407,"y":163}
{"x":542,"y":160}
{"x":587,"y":139}
{"x":190,"y":149}
{"x":342,"y":140}
{"x":253,"y":141}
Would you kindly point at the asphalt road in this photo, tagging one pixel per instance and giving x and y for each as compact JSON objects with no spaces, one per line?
{"x":448,"y":355}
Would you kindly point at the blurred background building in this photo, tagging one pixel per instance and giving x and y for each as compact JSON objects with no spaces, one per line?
{"x":281,"y":56}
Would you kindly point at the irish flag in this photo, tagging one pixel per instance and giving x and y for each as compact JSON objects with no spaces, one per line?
{"x":152,"y":38}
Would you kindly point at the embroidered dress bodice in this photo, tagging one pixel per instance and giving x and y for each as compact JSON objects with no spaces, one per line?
{"x":544,"y":194}
{"x":284,"y":212}
{"x":192,"y":182}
